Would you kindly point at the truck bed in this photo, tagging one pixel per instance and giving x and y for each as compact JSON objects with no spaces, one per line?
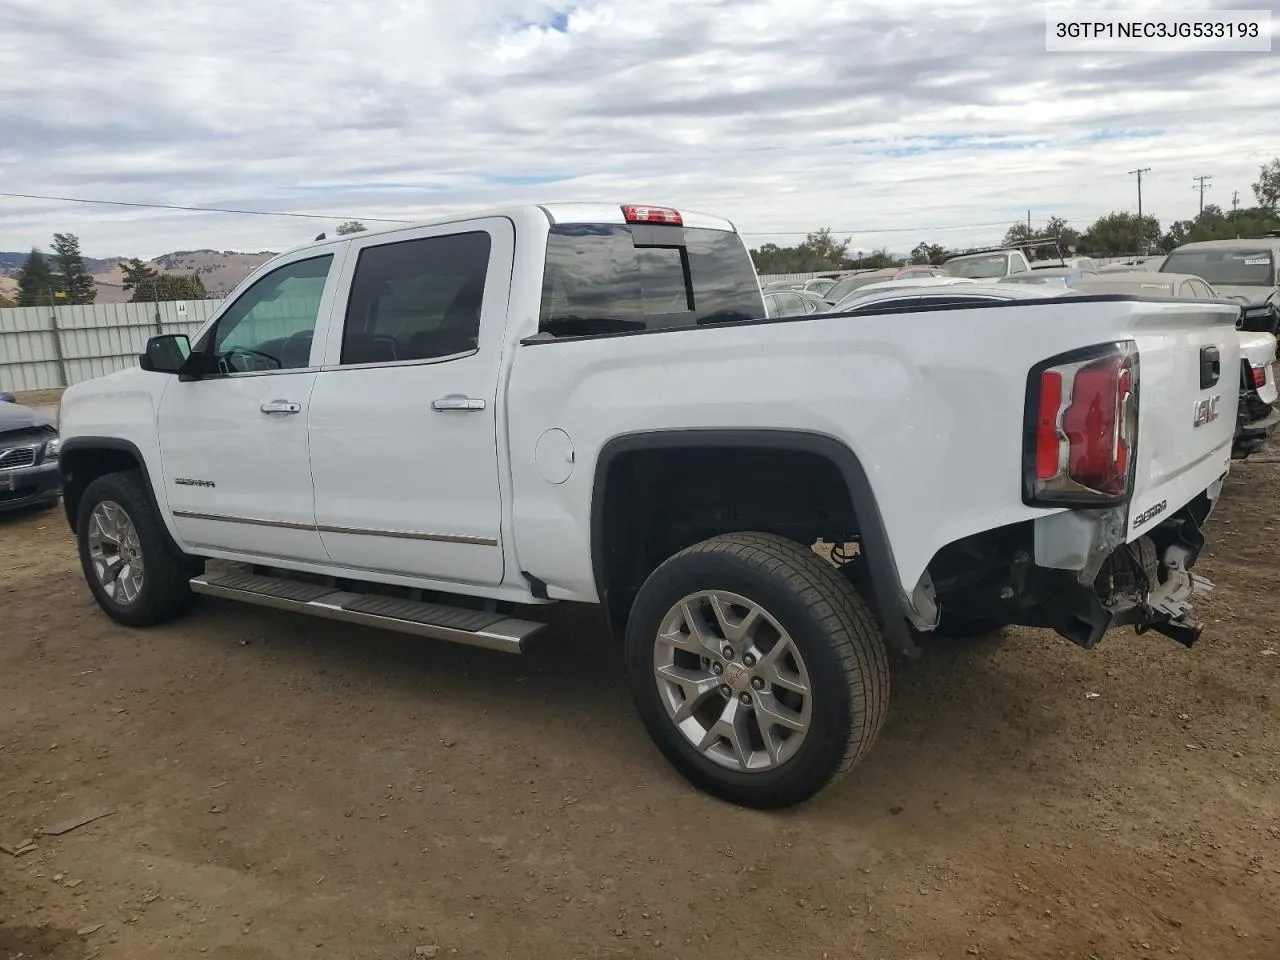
{"x":931,"y":402}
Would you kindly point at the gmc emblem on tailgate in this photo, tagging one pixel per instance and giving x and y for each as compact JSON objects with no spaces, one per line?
{"x":1206,"y":411}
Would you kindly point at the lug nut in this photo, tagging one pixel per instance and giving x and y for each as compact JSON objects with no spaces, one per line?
{"x":717,"y":668}
{"x":758,"y":683}
{"x":725,"y":691}
{"x":745,"y":698}
{"x":748,"y":660}
{"x":728,"y":653}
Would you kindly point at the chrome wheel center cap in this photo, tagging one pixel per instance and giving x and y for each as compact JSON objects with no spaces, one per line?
{"x":737,"y":677}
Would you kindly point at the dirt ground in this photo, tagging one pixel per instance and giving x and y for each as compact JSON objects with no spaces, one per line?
{"x":283,"y":788}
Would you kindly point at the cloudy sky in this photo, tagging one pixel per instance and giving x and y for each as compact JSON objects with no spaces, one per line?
{"x":884,"y":119}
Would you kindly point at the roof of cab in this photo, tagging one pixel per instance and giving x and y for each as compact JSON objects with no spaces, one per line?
{"x":556,"y":213}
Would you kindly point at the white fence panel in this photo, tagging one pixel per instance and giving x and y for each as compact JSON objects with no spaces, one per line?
{"x":767,"y":278}
{"x":48,"y":347}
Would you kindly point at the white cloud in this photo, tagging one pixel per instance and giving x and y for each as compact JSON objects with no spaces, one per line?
{"x":784,"y":115}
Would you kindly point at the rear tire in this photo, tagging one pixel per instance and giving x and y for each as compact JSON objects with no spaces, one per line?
{"x":757,"y":669}
{"x":134,"y":569}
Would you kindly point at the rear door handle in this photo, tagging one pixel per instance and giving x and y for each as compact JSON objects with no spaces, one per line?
{"x":281,"y":406}
{"x":456,"y":401}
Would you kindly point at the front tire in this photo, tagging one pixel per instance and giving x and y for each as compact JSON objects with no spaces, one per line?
{"x":135,"y":571}
{"x":757,"y":669}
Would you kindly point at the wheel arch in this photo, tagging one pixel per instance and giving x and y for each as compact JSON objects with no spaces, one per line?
{"x":82,"y":460}
{"x":875,"y":541}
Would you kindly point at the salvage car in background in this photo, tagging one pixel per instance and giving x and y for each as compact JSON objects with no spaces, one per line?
{"x":848,"y":285}
{"x":896,"y":288}
{"x":29,"y":472}
{"x":987,"y":264}
{"x":1051,"y":278}
{"x":1081,"y":264}
{"x":1257,"y":416}
{"x":819,"y":286}
{"x":793,"y":303}
{"x":1247,"y":271}
{"x":948,"y":291}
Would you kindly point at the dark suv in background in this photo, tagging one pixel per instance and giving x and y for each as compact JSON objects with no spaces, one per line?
{"x":28,"y":458}
{"x":1247,"y":271}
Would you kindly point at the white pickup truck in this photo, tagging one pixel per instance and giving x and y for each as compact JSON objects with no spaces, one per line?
{"x":441,"y":428}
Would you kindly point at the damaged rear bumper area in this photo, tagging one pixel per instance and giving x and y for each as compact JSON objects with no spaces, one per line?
{"x":1146,"y":583}
{"x":1077,"y":573}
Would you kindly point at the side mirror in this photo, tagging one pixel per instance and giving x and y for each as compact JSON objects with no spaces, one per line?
{"x":166,"y":353}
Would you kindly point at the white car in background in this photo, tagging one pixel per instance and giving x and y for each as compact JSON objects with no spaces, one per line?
{"x":1257,"y":416}
{"x":987,"y":264}
{"x":894,"y":288}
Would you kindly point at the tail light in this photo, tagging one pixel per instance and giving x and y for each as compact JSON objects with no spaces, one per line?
{"x":633,"y":213}
{"x":1081,"y":427}
{"x":1259,"y":377}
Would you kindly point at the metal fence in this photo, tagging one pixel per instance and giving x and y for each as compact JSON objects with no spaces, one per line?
{"x":47,"y":347}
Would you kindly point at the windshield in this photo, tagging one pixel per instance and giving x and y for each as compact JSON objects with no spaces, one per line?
{"x":1226,"y":268}
{"x":978,"y":268}
{"x":602,"y":278}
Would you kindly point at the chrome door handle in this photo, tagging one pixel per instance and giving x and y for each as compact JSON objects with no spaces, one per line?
{"x":456,"y":401}
{"x":281,"y":406}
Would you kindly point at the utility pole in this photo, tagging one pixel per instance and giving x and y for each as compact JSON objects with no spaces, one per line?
{"x":1140,"y":173}
{"x":1028,"y":224}
{"x":1235,"y":201}
{"x":1201,"y":180}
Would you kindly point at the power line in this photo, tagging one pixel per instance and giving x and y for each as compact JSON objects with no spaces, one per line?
{"x":174,"y":206}
{"x":322,"y":216}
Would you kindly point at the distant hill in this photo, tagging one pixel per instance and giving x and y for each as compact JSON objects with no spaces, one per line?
{"x":221,"y":270}
{"x":12,"y":262}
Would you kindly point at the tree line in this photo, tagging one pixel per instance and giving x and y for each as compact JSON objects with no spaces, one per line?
{"x":1115,"y":234}
{"x":63,"y":279}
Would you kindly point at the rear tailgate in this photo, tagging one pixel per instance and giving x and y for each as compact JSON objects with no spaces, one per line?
{"x":1188,"y":393}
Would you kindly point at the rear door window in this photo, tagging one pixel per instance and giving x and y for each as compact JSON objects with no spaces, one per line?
{"x":613,"y":278}
{"x":416,"y":299}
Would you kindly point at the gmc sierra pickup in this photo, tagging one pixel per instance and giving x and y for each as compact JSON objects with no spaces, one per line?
{"x":440,"y":428}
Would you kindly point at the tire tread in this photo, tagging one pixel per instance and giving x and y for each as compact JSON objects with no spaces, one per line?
{"x":840,"y":614}
{"x":166,"y":590}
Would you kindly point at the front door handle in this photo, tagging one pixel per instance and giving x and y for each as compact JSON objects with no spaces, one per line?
{"x":281,"y":406}
{"x":456,"y":401}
